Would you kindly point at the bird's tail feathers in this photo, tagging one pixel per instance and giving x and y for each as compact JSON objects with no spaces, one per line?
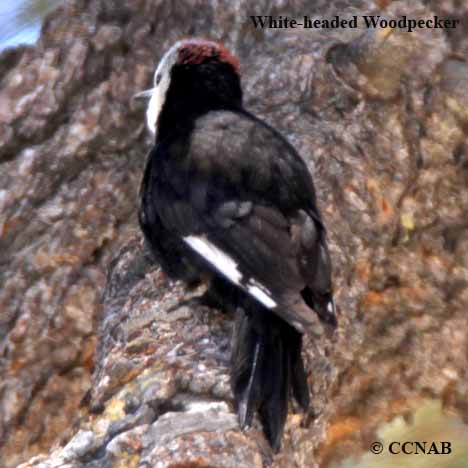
{"x":266,"y":367}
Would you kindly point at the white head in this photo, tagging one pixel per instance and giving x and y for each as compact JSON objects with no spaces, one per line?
{"x":184,"y":52}
{"x":161,"y":81}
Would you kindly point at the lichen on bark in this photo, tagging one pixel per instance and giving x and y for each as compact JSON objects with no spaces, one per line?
{"x":382,"y":122}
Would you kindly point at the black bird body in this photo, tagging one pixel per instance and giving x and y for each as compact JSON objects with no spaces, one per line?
{"x":226,"y":197}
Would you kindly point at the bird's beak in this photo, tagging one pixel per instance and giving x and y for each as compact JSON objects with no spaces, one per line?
{"x":144,"y":94}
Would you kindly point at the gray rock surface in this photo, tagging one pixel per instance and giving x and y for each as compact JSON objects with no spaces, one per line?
{"x":382,"y":121}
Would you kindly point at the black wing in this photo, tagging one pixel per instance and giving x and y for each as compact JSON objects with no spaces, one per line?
{"x":239,"y":195}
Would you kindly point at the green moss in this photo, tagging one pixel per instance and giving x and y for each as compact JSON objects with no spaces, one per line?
{"x":430,"y":423}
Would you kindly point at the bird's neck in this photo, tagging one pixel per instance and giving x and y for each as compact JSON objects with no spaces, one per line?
{"x":176,"y":121}
{"x":195,"y":92}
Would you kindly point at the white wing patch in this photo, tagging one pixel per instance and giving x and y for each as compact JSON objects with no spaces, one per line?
{"x":261,"y":293}
{"x":228,"y":267}
{"x":224,"y":263}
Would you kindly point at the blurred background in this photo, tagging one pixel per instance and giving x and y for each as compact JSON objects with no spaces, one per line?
{"x":383,"y":122}
{"x":20,"y":20}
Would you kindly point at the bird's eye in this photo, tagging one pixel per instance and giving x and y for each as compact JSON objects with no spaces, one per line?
{"x":158,"y":79}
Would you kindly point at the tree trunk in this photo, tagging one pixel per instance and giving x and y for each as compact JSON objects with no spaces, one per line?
{"x":103,"y":371}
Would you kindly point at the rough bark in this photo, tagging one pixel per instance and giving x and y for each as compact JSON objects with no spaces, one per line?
{"x":382,"y":121}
